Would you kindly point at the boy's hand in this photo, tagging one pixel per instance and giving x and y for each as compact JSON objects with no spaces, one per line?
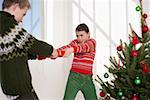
{"x":68,"y":51}
{"x":54,"y":54}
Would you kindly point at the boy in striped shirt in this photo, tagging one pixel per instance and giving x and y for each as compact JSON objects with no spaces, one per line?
{"x":80,"y":77}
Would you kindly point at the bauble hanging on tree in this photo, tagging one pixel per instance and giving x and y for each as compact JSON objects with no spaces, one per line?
{"x":102,"y":93}
{"x":106,"y":75}
{"x":134,"y":97}
{"x":144,"y":67}
{"x":134,"y":53}
{"x":145,"y":15}
{"x":120,"y":93}
{"x":119,"y":48}
{"x":135,"y":40}
{"x":137,"y":81}
{"x":145,"y":29}
{"x":138,"y":8}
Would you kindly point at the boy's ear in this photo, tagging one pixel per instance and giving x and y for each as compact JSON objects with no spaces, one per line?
{"x":15,"y":6}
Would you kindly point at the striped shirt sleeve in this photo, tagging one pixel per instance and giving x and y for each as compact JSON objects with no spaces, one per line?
{"x":61,"y":50}
{"x":88,"y":46}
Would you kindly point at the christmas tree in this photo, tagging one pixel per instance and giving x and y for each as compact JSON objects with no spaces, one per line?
{"x":131,"y":69}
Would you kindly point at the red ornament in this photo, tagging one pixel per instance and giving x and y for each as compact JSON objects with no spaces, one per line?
{"x":144,"y":67}
{"x":119,"y":48}
{"x":145,"y":29}
{"x":134,"y":53}
{"x":145,"y":15}
{"x":102,"y":94}
{"x":135,"y":40}
{"x":134,"y":97}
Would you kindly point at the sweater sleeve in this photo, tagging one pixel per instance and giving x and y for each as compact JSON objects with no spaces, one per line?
{"x":40,"y":48}
{"x":61,"y":50}
{"x":88,"y":46}
{"x":32,"y":57}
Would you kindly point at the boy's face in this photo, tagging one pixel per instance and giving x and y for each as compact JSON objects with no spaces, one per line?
{"x":20,"y":13}
{"x":82,"y":36}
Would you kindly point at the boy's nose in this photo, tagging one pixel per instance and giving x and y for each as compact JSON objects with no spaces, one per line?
{"x":79,"y":37}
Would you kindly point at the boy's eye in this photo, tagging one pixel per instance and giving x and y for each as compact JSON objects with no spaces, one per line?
{"x":81,"y":35}
{"x":76,"y":35}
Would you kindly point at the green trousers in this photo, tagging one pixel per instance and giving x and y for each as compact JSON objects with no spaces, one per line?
{"x":77,"y":82}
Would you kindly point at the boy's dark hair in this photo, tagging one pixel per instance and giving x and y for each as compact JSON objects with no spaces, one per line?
{"x":82,"y":27}
{"x":22,"y":3}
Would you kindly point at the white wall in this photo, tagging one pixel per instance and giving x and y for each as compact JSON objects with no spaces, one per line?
{"x":147,"y":10}
{"x":50,"y":76}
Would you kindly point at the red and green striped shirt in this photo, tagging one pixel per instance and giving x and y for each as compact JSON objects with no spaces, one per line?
{"x":84,"y":55}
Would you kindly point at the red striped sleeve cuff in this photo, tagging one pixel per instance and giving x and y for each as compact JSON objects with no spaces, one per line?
{"x":60,"y":53}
